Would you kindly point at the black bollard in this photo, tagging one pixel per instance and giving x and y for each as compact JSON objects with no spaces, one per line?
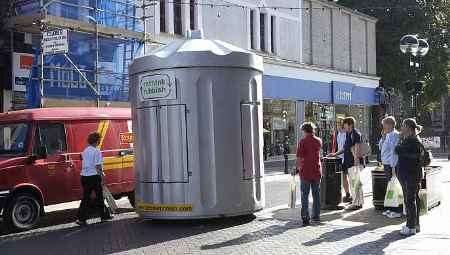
{"x":286,"y":164}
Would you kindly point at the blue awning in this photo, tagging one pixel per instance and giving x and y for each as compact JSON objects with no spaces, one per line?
{"x":335,"y":92}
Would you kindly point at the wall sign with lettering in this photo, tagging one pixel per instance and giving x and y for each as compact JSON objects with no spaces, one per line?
{"x":342,"y":92}
{"x":157,"y":87}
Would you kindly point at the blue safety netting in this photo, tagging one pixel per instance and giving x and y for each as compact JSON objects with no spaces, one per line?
{"x":112,"y":13}
{"x":62,"y":80}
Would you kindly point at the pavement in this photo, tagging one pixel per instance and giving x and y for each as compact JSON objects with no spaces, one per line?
{"x":275,"y":230}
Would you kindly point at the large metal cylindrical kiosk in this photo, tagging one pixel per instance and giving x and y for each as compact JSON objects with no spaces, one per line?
{"x":197,"y":119}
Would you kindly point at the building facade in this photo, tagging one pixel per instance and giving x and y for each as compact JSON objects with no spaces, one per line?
{"x":319,"y":57}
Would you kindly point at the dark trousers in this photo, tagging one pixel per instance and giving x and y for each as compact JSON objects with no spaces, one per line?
{"x":305,"y":188}
{"x":92,"y":184}
{"x":388,"y":173}
{"x":411,"y":185}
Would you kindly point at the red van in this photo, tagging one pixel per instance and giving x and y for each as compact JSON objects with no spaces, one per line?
{"x":40,"y":158}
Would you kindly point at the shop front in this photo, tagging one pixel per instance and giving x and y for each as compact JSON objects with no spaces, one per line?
{"x":290,"y":101}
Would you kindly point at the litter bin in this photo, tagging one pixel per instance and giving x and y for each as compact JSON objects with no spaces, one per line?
{"x":379,"y":185}
{"x":330,"y":185}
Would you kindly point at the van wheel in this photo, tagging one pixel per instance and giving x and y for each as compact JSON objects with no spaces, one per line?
{"x":131,"y":198}
{"x":23,"y":212}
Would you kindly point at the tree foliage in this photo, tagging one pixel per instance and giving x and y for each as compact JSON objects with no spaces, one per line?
{"x":427,"y":18}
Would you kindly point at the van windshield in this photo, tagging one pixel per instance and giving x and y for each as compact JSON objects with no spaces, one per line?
{"x":13,"y":138}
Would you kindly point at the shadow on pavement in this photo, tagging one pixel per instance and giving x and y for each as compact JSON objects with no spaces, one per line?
{"x":377,"y":245}
{"x":294,"y":215}
{"x":110,"y":237}
{"x":268,"y":232}
{"x":372,"y":222}
{"x":57,"y":218}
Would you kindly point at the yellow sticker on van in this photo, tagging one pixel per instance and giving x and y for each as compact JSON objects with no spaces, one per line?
{"x":164,"y":207}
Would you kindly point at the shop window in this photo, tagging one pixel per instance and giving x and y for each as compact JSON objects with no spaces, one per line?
{"x":279,"y":128}
{"x":323,"y":116}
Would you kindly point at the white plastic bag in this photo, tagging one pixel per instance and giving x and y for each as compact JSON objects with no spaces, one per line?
{"x":394,"y":193}
{"x":356,"y":190}
{"x":292,"y":192}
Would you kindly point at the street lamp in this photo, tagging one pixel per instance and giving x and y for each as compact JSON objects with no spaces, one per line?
{"x":409,"y":44}
{"x":414,"y":47}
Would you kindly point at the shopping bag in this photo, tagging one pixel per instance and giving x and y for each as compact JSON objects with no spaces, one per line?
{"x":423,"y":202}
{"x":356,"y":190}
{"x":292,"y":192}
{"x":394,"y":193}
{"x":109,"y":199}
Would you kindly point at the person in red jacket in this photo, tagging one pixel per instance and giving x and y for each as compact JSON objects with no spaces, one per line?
{"x":310,"y":169}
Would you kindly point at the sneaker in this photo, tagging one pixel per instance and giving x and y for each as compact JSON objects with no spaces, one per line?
{"x":81,"y":223}
{"x":353,"y":207}
{"x":407,"y":231}
{"x":347,"y":199}
{"x":386,"y":213}
{"x":394,"y":215}
{"x":108,"y":218}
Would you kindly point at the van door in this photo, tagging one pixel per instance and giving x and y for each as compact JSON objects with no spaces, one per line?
{"x":53,"y":167}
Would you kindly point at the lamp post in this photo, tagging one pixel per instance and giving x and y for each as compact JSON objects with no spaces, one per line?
{"x":415,"y":48}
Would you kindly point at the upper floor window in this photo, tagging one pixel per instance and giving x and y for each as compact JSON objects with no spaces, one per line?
{"x":252,"y":32}
{"x":192,"y":14}
{"x":177,"y":17}
{"x":262,"y":30}
{"x":272,"y":34}
{"x":162,"y":16}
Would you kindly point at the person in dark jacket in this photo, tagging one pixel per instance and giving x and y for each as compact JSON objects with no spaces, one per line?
{"x":308,"y":163}
{"x":409,"y":151}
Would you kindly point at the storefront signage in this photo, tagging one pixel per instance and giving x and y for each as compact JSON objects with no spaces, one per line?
{"x":156,"y":87}
{"x":55,"y":41}
{"x":22,"y":63}
{"x":342,"y":92}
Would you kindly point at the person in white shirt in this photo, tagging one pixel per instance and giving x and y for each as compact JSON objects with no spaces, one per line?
{"x":340,"y":141}
{"x":91,"y":180}
{"x":389,"y":158}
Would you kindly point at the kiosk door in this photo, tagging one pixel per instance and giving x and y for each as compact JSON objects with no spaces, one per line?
{"x":168,"y":156}
{"x":250,"y":140}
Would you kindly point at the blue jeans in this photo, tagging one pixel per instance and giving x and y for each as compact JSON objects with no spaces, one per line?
{"x":305,"y":187}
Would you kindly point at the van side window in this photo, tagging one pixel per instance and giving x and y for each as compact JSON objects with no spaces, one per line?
{"x":53,"y":137}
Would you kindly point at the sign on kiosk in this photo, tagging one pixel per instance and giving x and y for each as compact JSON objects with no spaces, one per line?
{"x":55,"y":42}
{"x":156,"y":87}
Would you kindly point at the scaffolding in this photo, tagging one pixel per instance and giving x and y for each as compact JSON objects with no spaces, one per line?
{"x":105,"y":36}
